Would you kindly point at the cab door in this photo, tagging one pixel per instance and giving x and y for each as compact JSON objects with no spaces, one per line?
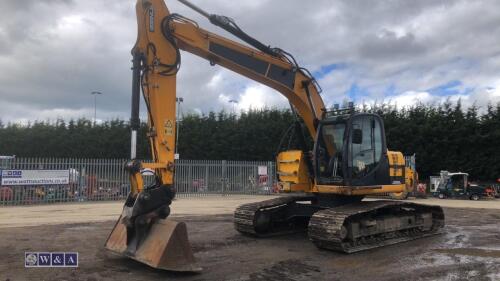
{"x":366,"y":152}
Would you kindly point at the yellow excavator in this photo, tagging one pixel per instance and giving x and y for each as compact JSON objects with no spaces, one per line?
{"x":323,"y":187}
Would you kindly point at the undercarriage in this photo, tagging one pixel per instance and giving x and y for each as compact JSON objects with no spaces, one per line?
{"x":342,"y":225}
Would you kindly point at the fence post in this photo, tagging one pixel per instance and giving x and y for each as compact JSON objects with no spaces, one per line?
{"x":205,"y":184}
{"x":224,"y":176}
{"x":271,"y":176}
{"x":190,"y":178}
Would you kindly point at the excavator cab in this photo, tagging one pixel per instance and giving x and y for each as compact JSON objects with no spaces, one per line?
{"x":351,"y":150}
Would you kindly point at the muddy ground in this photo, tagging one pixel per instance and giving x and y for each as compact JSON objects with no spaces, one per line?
{"x":469,"y":250}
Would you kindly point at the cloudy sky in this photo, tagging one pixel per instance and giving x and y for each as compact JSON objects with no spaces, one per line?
{"x":53,"y":53}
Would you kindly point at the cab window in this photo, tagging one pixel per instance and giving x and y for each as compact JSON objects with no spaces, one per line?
{"x":365,"y":145}
{"x":330,"y":145}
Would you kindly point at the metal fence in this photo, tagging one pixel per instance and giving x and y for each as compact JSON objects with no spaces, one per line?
{"x":105,"y":179}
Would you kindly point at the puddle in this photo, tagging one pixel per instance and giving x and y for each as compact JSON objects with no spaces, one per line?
{"x":494,"y":276}
{"x":474,"y":252}
{"x":457,"y":237}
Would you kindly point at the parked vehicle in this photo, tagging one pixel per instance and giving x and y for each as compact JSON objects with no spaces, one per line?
{"x":456,"y":185}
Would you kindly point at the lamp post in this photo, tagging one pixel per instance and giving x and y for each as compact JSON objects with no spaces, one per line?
{"x":179,"y":100}
{"x":95,"y":93}
{"x":234,"y":102}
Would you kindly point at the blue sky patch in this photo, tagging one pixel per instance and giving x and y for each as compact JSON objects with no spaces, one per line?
{"x":447,"y":89}
{"x":327,"y":69}
{"x":390,"y":91}
{"x":355,"y":92}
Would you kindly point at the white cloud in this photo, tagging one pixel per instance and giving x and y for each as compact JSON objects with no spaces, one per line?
{"x":254,"y":96}
{"x":215,"y":81}
{"x":411,"y":98}
{"x":494,"y":90}
{"x":54,"y":53}
{"x":260,"y":96}
{"x":481,"y":99}
{"x":70,"y":22}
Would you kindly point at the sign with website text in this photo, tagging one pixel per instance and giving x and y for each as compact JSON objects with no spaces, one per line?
{"x":262,"y":170}
{"x":35,"y":177}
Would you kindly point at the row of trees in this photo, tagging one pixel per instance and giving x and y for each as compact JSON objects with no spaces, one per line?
{"x":444,"y":137}
{"x":447,"y":137}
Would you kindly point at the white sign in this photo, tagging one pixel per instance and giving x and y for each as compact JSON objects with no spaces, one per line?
{"x":7,"y":157}
{"x":262,"y":170}
{"x":35,"y":177}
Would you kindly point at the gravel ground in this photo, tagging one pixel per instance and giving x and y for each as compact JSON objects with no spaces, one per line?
{"x":468,"y":250}
{"x":207,"y":205}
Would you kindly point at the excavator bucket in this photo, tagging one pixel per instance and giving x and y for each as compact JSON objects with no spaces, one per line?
{"x":165,"y":246}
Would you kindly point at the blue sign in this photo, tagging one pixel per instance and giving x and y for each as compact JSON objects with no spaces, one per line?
{"x":71,"y":259}
{"x":44,"y":259}
{"x":48,"y":259}
{"x":57,"y":259}
{"x":13,"y":174}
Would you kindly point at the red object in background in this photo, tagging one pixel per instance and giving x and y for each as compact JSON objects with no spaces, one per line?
{"x":421,"y":188}
{"x":489,"y":192}
{"x":92,"y":189}
{"x":6,"y":193}
{"x":199,"y":184}
{"x":263,"y":179}
{"x":498,"y":180}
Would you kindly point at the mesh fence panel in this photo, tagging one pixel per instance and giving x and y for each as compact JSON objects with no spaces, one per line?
{"x":106,"y":179}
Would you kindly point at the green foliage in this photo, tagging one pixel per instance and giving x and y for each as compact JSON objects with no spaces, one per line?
{"x":254,"y":135}
{"x":444,"y":137}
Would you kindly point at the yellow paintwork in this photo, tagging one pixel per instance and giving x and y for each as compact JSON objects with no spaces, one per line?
{"x":136,"y":183}
{"x":397,"y":159}
{"x":293,"y":176}
{"x":292,"y":171}
{"x":411,"y":179}
{"x":359,"y":190}
{"x":196,"y":40}
{"x":161,"y":92}
{"x":410,"y":176}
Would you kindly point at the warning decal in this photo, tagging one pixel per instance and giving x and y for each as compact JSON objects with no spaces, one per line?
{"x":169,"y":128}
